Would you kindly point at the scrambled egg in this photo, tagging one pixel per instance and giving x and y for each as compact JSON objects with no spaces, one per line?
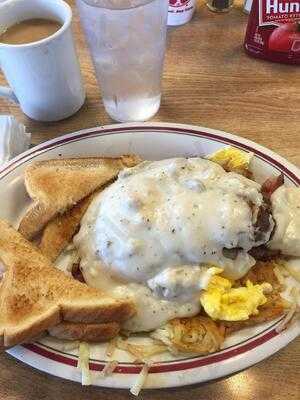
{"x":223,"y":302}
{"x":232,"y":159}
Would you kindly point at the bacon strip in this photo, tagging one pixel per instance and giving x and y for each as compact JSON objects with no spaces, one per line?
{"x":76,"y":273}
{"x":272,"y":184}
{"x":263,"y":253}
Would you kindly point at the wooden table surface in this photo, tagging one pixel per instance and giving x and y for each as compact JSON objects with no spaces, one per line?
{"x":208,"y":81}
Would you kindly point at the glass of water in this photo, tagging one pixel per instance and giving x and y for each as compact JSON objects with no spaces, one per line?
{"x":127,"y":40}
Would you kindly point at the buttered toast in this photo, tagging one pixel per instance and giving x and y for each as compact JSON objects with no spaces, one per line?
{"x":57,"y":185}
{"x":35,"y":296}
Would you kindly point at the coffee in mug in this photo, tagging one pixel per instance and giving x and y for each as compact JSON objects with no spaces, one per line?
{"x":28,"y":31}
{"x":41,"y":66}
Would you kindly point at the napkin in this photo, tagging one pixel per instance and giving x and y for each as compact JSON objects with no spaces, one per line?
{"x":13,"y":138}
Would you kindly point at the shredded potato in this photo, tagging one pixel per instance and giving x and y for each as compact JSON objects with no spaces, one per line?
{"x":2,"y":270}
{"x":83,"y":363}
{"x":294,"y":274}
{"x":288,"y":271}
{"x":111,"y":347}
{"x":279,"y":275}
{"x":109,"y":368}
{"x":284,"y":272}
{"x":141,"y":352}
{"x":288,"y":318}
{"x":141,"y":379}
{"x":269,"y":271}
{"x":200,"y":334}
{"x":274,"y":308}
{"x":263,"y":271}
{"x":295,"y":293}
{"x":197,"y":335}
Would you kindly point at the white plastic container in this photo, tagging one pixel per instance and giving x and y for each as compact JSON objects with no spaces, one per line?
{"x":180,"y":11}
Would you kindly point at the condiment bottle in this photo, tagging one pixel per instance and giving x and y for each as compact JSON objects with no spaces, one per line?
{"x":180,"y":11}
{"x":273,"y":31}
{"x":220,"y":6}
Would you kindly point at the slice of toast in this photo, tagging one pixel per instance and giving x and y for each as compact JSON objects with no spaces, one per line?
{"x":57,"y":185}
{"x":35,"y":296}
{"x":85,"y":332}
{"x":59,"y":232}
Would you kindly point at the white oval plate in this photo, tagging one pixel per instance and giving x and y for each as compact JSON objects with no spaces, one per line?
{"x":154,"y":142}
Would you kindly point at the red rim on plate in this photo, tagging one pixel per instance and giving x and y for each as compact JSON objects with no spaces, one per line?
{"x":269,"y":334}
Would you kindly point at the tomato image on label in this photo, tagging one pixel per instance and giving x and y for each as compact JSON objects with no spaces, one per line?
{"x":178,"y":3}
{"x":286,"y":38}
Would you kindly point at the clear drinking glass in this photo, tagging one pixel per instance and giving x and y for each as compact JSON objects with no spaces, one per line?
{"x":127,"y":40}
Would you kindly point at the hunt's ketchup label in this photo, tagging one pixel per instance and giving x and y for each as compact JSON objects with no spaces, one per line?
{"x":273,"y":31}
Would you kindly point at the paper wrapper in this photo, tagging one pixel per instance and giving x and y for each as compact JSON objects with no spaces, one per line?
{"x":13,"y":138}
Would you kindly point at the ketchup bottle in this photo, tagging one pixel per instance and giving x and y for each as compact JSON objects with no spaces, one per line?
{"x":273,"y":31}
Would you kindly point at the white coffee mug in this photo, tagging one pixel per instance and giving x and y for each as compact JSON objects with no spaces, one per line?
{"x":44,"y":76}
